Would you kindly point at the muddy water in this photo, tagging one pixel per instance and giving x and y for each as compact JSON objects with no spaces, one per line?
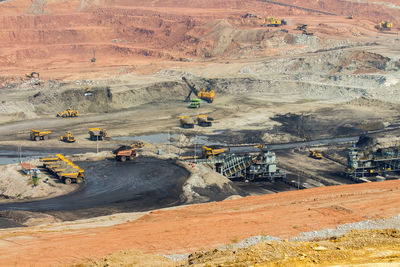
{"x":112,"y":186}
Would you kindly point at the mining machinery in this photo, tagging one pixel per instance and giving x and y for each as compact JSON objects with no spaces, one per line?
{"x":204,"y":94}
{"x":98,"y":134}
{"x":37,"y":135}
{"x":211,"y":152}
{"x":244,"y":162}
{"x":315,"y":154}
{"x":384,"y":26}
{"x":273,"y":22}
{"x":64,"y":169}
{"x":68,"y":113}
{"x":32,"y":75}
{"x":124,"y":153}
{"x":303,"y":28}
{"x":382,"y":162}
{"x":186,"y":122}
{"x":68,"y":138}
{"x":204,"y":120}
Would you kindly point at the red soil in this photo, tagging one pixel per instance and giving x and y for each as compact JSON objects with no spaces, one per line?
{"x":209,"y":225}
{"x":60,"y":40}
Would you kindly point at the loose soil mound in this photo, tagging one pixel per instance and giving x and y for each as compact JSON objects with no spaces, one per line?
{"x":357,"y":247}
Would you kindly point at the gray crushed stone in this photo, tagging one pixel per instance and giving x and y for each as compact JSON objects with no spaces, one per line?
{"x":390,"y":223}
{"x":342,"y":229}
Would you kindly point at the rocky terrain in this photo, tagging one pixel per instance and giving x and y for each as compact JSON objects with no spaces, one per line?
{"x":273,"y":86}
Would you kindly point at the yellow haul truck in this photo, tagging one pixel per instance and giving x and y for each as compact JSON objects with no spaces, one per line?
{"x":37,"y":135}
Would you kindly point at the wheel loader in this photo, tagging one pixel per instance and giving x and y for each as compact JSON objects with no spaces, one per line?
{"x":186,"y":122}
{"x":97,"y":134}
{"x":68,"y":137}
{"x":37,"y":135}
{"x":204,"y":120}
{"x":68,"y":113}
{"x":315,"y":154}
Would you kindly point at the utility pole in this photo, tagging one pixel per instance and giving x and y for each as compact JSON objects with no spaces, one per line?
{"x":169,"y":140}
{"x":195,"y":150}
{"x":19,"y":153}
{"x":298,"y":182}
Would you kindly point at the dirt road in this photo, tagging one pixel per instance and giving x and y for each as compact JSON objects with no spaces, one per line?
{"x":209,"y":225}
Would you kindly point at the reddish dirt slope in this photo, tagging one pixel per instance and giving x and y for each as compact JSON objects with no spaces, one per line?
{"x":207,"y":225}
{"x":58,"y":37}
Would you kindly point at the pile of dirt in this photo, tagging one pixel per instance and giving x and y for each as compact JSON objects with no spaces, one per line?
{"x":205,"y":185}
{"x":355,"y":247}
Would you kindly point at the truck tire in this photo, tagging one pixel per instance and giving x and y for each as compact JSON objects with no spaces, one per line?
{"x":36,"y":138}
{"x":123,"y":158}
{"x":67,"y":181}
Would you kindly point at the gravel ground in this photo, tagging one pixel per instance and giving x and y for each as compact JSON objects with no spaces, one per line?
{"x":342,"y":229}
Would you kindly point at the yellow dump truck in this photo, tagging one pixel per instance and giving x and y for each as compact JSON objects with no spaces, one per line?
{"x":186,"y":122}
{"x":210,"y":152}
{"x":204,"y":120}
{"x":37,"y":135}
{"x":98,"y":134}
{"x":64,"y":169}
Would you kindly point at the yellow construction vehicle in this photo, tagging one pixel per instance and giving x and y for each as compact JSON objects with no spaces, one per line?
{"x":186,"y":122}
{"x":209,"y":152}
{"x":315,"y":154}
{"x":68,"y":113}
{"x":307,"y":32}
{"x":68,"y":137}
{"x":301,"y":27}
{"x":88,"y":91}
{"x":273,"y":22}
{"x":204,"y":120}
{"x":64,"y":169}
{"x":32,"y":75}
{"x":37,"y":135}
{"x":204,"y":94}
{"x":97,"y":134}
{"x":384,"y":26}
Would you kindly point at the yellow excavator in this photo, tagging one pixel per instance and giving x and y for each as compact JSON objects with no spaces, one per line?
{"x":204,"y":94}
{"x":32,"y":75}
{"x":384,"y":26}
